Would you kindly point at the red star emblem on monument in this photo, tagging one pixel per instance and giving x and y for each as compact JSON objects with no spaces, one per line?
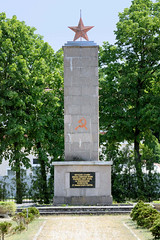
{"x":81,"y":30}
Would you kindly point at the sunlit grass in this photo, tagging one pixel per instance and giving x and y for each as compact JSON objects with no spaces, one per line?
{"x":29,"y":234}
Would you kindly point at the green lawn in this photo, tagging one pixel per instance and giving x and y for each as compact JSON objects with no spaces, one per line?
{"x":33,"y":228}
{"x":142,"y":233}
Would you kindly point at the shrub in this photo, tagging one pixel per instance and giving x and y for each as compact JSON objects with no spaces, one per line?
{"x":144,"y":214}
{"x":148,"y":223}
{"x":20,"y":228}
{"x":4,"y":228}
{"x":7,"y":208}
{"x":19,"y":218}
{"x":147,"y":216}
{"x":29,"y":218}
{"x":23,"y":218}
{"x":155,"y":229}
{"x":137,"y":210}
{"x":138,"y":205}
{"x":32,"y":211}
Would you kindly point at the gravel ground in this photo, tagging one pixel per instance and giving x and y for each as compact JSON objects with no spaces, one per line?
{"x":103,"y":227}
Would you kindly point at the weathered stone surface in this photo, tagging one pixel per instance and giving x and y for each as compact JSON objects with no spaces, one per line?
{"x":81,"y":102}
{"x":83,"y":200}
{"x":80,"y":51}
{"x":81,"y":129}
{"x":73,"y":110}
{"x":90,"y":90}
{"x":67,"y":119}
{"x":85,"y":81}
{"x":72,"y":91}
{"x":80,"y":62}
{"x":101,"y":194}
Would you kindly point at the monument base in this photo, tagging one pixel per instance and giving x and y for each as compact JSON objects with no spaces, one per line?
{"x":82,"y":183}
{"x":78,"y":201}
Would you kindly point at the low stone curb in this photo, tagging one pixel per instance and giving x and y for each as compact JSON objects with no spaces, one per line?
{"x":55,"y":210}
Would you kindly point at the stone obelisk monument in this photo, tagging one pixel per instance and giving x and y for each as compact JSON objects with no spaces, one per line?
{"x":81,"y":179}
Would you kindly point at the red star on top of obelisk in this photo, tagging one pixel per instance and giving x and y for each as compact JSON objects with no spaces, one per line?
{"x":81,"y":30}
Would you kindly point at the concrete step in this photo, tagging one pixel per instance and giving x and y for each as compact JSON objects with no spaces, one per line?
{"x":52,"y":210}
{"x":84,"y":213}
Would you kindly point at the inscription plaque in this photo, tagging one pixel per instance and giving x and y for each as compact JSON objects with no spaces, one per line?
{"x":82,"y":179}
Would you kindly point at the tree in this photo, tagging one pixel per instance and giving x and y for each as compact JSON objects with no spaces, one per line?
{"x":129,"y":103}
{"x":17,"y":42}
{"x":27,"y":68}
{"x":47,"y":126}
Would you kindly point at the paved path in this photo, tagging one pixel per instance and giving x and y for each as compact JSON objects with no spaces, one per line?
{"x":104,"y":227}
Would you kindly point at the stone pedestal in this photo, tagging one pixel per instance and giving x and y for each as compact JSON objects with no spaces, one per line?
{"x":81,"y":178}
{"x":70,"y":176}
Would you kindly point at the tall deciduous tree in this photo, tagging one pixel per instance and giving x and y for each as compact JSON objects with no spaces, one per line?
{"x":27,"y":68}
{"x":130,"y":78}
{"x":47,"y":130}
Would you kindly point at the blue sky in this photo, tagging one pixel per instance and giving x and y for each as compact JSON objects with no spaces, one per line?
{"x":51,"y":18}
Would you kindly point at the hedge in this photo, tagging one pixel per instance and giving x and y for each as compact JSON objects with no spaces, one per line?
{"x":148,"y":217}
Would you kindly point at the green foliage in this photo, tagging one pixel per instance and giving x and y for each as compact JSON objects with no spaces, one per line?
{"x":31,"y":210}
{"x":36,"y":190}
{"x":129,"y":84}
{"x":124,"y":179}
{"x":138,"y":208}
{"x":19,"y":218}
{"x":7,"y":208}
{"x":51,"y":183}
{"x":3,"y":188}
{"x":31,"y":104}
{"x":134,"y":214}
{"x":149,"y":221}
{"x":19,"y":228}
{"x":155,"y":229}
{"x":146,"y":216}
{"x":4,"y":228}
{"x":150,"y":150}
{"x":34,"y":211}
{"x":25,"y":217}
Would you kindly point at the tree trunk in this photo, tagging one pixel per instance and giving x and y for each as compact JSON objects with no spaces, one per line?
{"x":41,"y":158}
{"x":18,"y":182}
{"x":17,"y":168}
{"x":138,"y":165}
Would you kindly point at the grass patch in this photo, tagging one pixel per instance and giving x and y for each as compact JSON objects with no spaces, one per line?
{"x":33,"y":228}
{"x":142,"y":233}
